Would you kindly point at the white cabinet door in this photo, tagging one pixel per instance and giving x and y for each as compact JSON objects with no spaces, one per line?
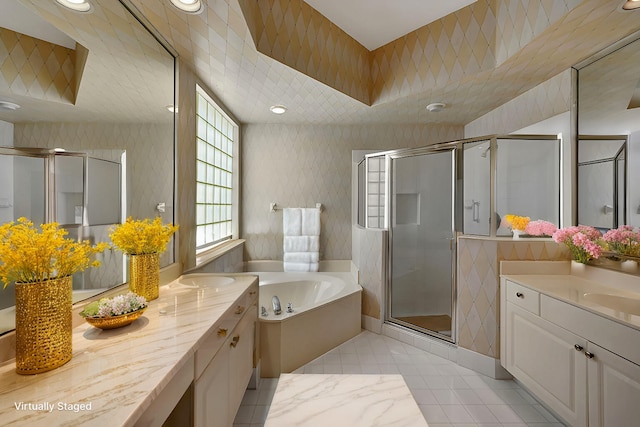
{"x":614,"y":389}
{"x":549,"y":361}
{"x":211,"y":393}
{"x":241,"y":358}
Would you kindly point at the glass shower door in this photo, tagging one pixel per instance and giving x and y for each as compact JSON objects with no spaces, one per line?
{"x":422,"y":242}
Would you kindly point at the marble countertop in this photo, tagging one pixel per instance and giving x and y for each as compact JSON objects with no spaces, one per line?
{"x":311,"y":400}
{"x":574,"y":284}
{"x":115,"y":375}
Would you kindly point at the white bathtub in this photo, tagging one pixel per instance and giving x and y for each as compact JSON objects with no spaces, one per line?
{"x":326,"y":313}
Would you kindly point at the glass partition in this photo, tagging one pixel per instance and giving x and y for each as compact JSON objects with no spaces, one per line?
{"x":527,"y":179}
{"x":477,"y":188}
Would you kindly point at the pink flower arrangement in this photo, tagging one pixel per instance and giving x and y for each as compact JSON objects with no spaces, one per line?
{"x":624,"y":240}
{"x":583,"y":242}
{"x":540,"y":228}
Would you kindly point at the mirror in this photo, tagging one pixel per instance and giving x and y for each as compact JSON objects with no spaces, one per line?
{"x":608,"y":115}
{"x":98,"y":86}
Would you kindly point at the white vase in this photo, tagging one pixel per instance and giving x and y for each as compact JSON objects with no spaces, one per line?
{"x":517,"y":233}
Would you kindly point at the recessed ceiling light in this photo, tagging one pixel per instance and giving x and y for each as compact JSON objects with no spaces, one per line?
{"x":76,"y":5}
{"x":436,"y":107}
{"x":631,"y":5}
{"x":278,"y":109}
{"x":8,"y":106}
{"x":189,"y":6}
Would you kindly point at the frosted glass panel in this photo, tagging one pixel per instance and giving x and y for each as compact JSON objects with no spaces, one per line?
{"x":421,"y":241}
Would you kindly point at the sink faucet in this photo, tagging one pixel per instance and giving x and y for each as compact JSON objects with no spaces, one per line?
{"x":277,"y":309}
{"x":289,"y":308}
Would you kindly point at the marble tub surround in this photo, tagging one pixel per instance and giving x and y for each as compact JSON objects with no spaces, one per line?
{"x":115,"y":376}
{"x":573,"y":283}
{"x":345,"y":400}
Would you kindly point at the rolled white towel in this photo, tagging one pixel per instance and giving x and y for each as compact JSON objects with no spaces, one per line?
{"x":292,"y":221}
{"x":310,"y":222}
{"x":296,"y":244}
{"x":306,"y":257}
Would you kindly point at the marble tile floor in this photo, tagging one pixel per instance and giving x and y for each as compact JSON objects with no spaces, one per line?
{"x":447,"y":394}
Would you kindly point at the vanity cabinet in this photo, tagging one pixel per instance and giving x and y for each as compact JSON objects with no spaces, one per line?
{"x":224,"y":364}
{"x":614,"y":389}
{"x":552,"y":347}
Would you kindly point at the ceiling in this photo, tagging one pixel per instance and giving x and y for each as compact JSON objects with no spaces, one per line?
{"x":474,"y":60}
{"x":374,"y":23}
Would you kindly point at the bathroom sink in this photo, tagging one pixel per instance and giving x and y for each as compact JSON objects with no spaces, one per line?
{"x":621,"y":303}
{"x":196,"y":281}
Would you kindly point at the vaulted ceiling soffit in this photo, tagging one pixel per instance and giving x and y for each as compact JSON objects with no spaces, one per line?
{"x":459,"y":49}
{"x":39,"y":69}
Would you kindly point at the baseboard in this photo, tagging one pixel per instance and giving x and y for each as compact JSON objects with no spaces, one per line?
{"x":372,"y":324}
{"x":482,"y":364}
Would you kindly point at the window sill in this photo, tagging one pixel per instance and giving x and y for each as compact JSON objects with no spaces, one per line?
{"x":209,"y":255}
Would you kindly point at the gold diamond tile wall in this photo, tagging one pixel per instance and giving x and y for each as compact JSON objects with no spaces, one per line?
{"x":292,"y":32}
{"x":36,"y":68}
{"x":452,"y":48}
{"x":546,"y":100}
{"x":478,"y":284}
{"x":518,"y":22}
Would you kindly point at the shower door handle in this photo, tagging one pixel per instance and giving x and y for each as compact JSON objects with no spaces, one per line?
{"x":476,"y":211}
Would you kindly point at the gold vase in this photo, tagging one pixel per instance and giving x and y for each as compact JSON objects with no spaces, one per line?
{"x":144,"y":275}
{"x":43,"y":325}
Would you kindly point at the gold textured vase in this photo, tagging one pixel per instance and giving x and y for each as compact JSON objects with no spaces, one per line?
{"x":43,"y":325}
{"x":144,"y":275}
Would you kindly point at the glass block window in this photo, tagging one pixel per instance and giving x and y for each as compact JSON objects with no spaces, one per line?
{"x":215,"y":136}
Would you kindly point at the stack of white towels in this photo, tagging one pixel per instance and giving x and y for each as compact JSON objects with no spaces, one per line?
{"x":301,"y":229}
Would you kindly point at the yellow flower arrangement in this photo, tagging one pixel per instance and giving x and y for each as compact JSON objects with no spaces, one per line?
{"x":136,"y":237}
{"x":30,"y":255}
{"x":516,"y":222}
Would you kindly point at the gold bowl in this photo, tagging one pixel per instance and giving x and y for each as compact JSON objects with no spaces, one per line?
{"x":112,"y":322}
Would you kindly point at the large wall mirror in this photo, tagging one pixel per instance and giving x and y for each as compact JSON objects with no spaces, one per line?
{"x":87,"y":128}
{"x":609,"y":137}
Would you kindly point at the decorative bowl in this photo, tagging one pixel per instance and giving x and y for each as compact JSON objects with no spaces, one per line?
{"x":112,"y":322}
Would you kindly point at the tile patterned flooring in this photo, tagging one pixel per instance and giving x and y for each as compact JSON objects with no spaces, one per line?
{"x":448,"y":394}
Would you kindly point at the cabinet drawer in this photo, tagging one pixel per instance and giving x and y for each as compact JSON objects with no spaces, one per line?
{"x":212,"y":344}
{"x":246,"y":301}
{"x":523,"y":297}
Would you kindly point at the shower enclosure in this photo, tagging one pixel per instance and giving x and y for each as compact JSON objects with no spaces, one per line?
{"x":426,"y":197}
{"x":422,"y":239}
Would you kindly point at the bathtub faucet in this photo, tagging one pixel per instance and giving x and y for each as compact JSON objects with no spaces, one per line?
{"x":277,"y":309}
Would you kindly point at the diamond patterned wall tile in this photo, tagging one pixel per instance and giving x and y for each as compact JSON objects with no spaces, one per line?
{"x":36,"y":68}
{"x":299,"y":166}
{"x":478,"y":284}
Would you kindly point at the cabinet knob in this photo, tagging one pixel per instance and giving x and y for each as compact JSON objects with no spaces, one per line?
{"x":578,"y":347}
{"x":234,"y":341}
{"x":222,"y":332}
{"x":589,"y":355}
{"x":252,"y":292}
{"x":240,"y":309}
{"x":519,"y":294}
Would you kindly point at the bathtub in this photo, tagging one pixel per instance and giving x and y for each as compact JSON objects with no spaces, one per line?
{"x":326,"y":313}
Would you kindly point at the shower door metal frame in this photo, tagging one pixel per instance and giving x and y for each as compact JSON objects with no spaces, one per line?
{"x":454,"y":147}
